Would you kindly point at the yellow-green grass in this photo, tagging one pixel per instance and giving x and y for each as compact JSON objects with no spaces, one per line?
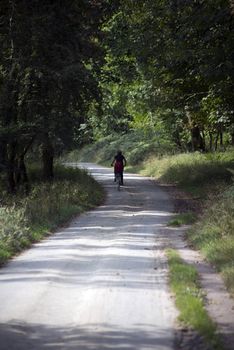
{"x":26,"y":219}
{"x":137,"y":147}
{"x":189,"y":298}
{"x":196,"y":173}
{"x":213,"y":234}
{"x":183,"y":219}
{"x":208,"y":178}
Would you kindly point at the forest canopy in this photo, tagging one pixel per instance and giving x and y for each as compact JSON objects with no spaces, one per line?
{"x":76,"y":71}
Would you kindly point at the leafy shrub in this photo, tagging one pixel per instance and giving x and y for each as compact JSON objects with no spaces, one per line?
{"x":24,"y":220}
{"x":13,"y":226}
{"x":136,"y":146}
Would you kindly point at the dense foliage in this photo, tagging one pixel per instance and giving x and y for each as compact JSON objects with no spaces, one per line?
{"x":50,"y":57}
{"x":27,"y":219}
{"x":171,"y":66}
{"x":76,"y":71}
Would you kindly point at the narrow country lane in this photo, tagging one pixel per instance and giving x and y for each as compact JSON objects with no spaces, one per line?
{"x":100,"y":283}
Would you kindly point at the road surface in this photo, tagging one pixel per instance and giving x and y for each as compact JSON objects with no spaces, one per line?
{"x":100,"y":283}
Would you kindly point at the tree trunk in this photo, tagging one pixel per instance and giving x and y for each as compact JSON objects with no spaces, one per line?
{"x":204,"y":140}
{"x":177,"y":139}
{"x":195,"y":138}
{"x":11,"y":181}
{"x":216,"y":140}
{"x":22,"y":176}
{"x":211,"y":141}
{"x":48,"y":158}
{"x":232,"y":138}
{"x":221,"y":138}
{"x":2,"y":156}
{"x":11,"y":167}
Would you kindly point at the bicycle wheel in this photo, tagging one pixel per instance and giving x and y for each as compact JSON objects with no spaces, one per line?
{"x":118,"y":181}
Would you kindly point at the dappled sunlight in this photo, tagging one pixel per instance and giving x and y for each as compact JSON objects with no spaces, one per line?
{"x":106,"y":259}
{"x":106,"y":268}
{"x":123,"y":213}
{"x":104,"y":174}
{"x":147,"y":213}
{"x":84,"y":337}
{"x":114,"y":245}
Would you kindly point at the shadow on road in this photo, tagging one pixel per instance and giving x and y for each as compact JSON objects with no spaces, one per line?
{"x":99,"y":337}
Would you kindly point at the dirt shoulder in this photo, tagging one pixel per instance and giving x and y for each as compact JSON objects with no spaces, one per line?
{"x":183,"y":202}
{"x":218,"y":302}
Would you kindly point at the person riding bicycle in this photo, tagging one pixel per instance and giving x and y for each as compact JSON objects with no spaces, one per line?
{"x":119,"y":163}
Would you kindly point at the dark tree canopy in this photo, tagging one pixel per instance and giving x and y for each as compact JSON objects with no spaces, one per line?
{"x":73,"y":71}
{"x":50,"y":60}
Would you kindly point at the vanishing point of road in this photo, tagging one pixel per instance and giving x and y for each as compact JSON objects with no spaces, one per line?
{"x":99,"y":283}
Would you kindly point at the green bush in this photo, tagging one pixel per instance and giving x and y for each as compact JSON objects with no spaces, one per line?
{"x":183,"y":219}
{"x":24,"y":220}
{"x":136,"y":146}
{"x":13,"y":227}
{"x":200,"y":174}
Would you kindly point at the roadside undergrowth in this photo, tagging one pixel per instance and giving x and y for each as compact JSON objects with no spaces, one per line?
{"x":27,"y":219}
{"x":137,"y":146}
{"x":207,"y":181}
{"x":213,"y":235}
{"x":183,"y":219}
{"x":196,"y":173}
{"x":189,"y":299}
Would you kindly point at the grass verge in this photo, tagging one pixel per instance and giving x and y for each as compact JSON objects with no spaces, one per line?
{"x":196,"y":173}
{"x":24,"y":220}
{"x":183,"y":219}
{"x":213,"y":235}
{"x":184,"y":283}
{"x":136,"y":145}
{"x":208,"y":178}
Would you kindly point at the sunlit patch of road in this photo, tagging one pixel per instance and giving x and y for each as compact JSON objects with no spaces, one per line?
{"x":100,"y":283}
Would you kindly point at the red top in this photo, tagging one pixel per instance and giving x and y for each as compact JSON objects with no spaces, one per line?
{"x":118,"y":166}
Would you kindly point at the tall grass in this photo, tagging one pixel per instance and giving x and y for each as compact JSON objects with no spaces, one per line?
{"x":137,"y":146}
{"x":208,"y":177}
{"x":24,"y":220}
{"x":214,"y":235}
{"x":183,"y":219}
{"x":195,"y":172}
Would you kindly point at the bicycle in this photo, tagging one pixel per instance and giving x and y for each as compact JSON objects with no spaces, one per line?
{"x":118,"y":180}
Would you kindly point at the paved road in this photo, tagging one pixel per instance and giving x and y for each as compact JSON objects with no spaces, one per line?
{"x":100,"y":283}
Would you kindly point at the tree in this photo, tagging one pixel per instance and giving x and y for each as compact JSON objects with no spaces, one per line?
{"x":51,"y":58}
{"x":182,"y":52}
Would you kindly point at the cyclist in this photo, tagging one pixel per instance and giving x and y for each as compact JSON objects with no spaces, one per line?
{"x":119,"y":163}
